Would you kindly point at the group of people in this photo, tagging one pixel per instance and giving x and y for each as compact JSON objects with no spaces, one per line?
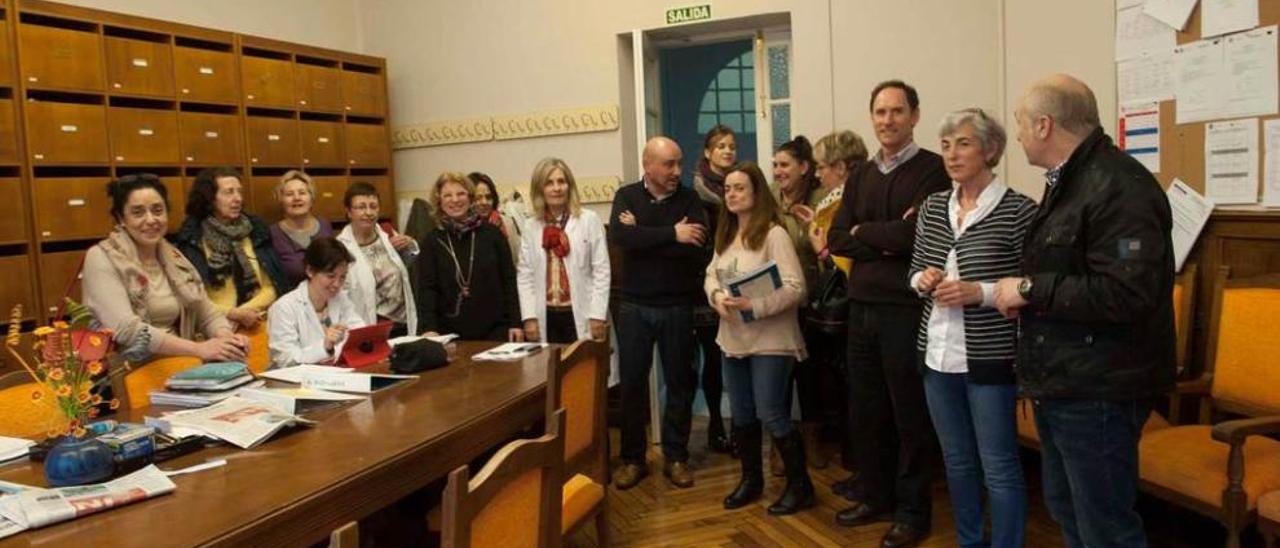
{"x":961,"y":293}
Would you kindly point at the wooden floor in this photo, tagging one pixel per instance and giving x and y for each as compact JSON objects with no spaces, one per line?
{"x":656,"y":514}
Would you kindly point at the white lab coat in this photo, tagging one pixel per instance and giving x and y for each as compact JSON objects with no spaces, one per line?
{"x":294,"y":332}
{"x":362,"y":288}
{"x":587,"y":265}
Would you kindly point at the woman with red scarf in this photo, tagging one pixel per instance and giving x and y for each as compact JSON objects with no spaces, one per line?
{"x":563,"y":275}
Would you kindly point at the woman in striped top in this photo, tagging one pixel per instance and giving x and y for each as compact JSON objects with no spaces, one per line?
{"x":966,"y":239}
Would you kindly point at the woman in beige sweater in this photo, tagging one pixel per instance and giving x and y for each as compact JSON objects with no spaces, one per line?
{"x":144,"y":289}
{"x":759,"y":335}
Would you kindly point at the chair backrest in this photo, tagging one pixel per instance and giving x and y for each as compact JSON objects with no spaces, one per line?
{"x":577,"y":381}
{"x":133,"y":388}
{"x":1244,"y":340}
{"x":514,"y":501}
{"x":259,"y":358}
{"x":1184,"y":298}
{"x":21,"y":414}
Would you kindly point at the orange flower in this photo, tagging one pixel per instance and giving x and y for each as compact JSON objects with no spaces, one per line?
{"x":95,"y":367}
{"x":37,"y":394}
{"x":43,"y":330}
{"x":80,"y":432}
{"x":60,"y":325}
{"x":75,"y":423}
{"x":84,"y":397}
{"x":57,"y":374}
{"x":93,"y":412}
{"x":95,"y":341}
{"x":64,"y":390}
{"x":115,"y":404}
{"x":96,"y":400}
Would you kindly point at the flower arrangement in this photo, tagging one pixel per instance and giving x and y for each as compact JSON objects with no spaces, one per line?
{"x":73,"y":383}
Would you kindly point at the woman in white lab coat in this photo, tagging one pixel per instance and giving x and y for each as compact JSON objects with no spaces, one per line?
{"x":379,"y":282}
{"x":310,"y":323}
{"x":563,"y":276}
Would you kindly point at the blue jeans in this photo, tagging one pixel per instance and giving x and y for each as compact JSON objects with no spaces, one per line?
{"x":979,"y":435}
{"x":671,"y":327}
{"x":758,"y":387}
{"x":1089,"y":451}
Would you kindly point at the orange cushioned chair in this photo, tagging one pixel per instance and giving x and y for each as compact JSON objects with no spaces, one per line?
{"x":1202,"y":466}
{"x":1269,"y":517}
{"x":133,"y":388}
{"x":1184,"y":294}
{"x":21,"y":415}
{"x":577,"y":381}
{"x":514,"y":501}
{"x":259,"y":358}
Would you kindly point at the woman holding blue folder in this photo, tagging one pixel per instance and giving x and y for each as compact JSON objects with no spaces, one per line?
{"x":759,"y":333}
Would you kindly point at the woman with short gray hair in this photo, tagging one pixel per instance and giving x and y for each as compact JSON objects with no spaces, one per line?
{"x":966,"y":239}
{"x":294,"y":232}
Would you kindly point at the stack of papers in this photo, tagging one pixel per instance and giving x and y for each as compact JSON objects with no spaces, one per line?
{"x":212,"y":377}
{"x":197,"y":398}
{"x":14,"y":448}
{"x":24,"y":507}
{"x":297,"y":401}
{"x":236,"y":420}
{"x":508,"y":352}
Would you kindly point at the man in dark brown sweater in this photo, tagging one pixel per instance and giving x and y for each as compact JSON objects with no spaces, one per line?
{"x":895,"y":448}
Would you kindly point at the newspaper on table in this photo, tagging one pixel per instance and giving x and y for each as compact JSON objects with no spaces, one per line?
{"x":509,"y":352}
{"x":236,"y":420}
{"x":24,"y":507}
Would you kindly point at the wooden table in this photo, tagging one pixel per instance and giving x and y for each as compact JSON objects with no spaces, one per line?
{"x":294,"y":489}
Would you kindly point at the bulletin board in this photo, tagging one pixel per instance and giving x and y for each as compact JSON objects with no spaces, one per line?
{"x":1182,"y":146}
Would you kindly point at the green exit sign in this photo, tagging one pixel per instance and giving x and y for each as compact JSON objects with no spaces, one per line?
{"x":688,"y":14}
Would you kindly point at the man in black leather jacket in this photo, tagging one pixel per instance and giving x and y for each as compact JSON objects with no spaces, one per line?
{"x":1096,"y":336}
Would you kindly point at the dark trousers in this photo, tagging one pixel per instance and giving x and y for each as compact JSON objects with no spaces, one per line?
{"x":818,"y":382}
{"x":894,"y":444}
{"x":712,"y":379}
{"x":560,"y":328}
{"x":671,"y":327}
{"x":1089,"y":456}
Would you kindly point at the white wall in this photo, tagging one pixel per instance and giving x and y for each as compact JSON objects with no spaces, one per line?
{"x":323,"y":23}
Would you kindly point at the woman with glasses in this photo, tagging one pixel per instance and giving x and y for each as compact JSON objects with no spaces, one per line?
{"x":467,"y":283}
{"x":378,"y":282}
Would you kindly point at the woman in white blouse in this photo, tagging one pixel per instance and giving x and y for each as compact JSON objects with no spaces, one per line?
{"x":310,"y":323}
{"x":378,"y":282}
{"x":563,"y":276}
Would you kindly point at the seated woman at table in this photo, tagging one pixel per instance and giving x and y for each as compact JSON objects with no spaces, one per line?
{"x":467,"y":283}
{"x":230,"y":249}
{"x":378,"y":282}
{"x":292,"y":234}
{"x":309,"y":324}
{"x":563,"y":274}
{"x":142,"y":288}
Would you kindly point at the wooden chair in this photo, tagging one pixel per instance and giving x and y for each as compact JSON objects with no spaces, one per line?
{"x":577,"y":381}
{"x":514,"y":501}
{"x":1203,"y":466}
{"x":133,"y":388}
{"x":20,"y":415}
{"x":259,"y":358}
{"x":1269,"y":518}
{"x":1184,"y":294}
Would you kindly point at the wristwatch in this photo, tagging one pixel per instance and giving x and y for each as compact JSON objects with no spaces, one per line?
{"x":1024,"y":289}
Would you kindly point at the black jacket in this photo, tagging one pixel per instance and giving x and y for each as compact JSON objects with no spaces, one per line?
{"x":1100,"y":320}
{"x":189,"y":240}
{"x":492,"y":306}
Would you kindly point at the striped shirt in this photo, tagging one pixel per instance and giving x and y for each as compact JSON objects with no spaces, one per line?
{"x":988,"y":249}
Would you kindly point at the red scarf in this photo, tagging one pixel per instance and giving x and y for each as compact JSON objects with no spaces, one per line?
{"x":554,"y":238}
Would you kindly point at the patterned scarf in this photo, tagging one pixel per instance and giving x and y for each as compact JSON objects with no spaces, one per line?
{"x":553,"y":237}
{"x":713,"y":180}
{"x":463,"y":225}
{"x":495,"y":219}
{"x":226,"y":254}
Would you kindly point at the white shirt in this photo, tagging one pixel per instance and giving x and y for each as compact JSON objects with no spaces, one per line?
{"x":945,"y":351}
{"x":362,"y":287}
{"x":294,"y":330}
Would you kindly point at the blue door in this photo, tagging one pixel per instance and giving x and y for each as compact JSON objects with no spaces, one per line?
{"x":707,"y":85}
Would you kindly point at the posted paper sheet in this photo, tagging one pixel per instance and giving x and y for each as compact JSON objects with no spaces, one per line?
{"x":1271,"y":177}
{"x":1140,"y":133}
{"x":1222,"y":16}
{"x":1231,"y":161}
{"x":1252,"y":78}
{"x":1139,"y":34}
{"x":1145,"y":78}
{"x":1199,"y":72}
{"x":1170,"y":12}
{"x":1190,"y":213}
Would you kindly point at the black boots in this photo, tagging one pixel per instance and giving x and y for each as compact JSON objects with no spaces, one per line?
{"x":747,"y":440}
{"x":798,"y":493}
